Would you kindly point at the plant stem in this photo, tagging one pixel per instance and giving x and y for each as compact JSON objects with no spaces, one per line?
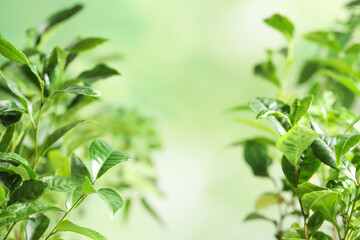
{"x":9,"y":231}
{"x":351,"y":213}
{"x":66,"y":214}
{"x":36,"y":159}
{"x":289,"y":61}
{"x":301,"y":206}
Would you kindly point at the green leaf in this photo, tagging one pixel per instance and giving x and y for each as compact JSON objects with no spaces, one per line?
{"x":267,"y":71}
{"x":88,"y":187}
{"x":10,"y":180}
{"x":353,"y":49}
{"x":67,"y":226}
{"x":257,"y":216}
{"x":6,"y":214}
{"x":86,"y":44}
{"x":339,"y":65}
{"x":99,"y":72}
{"x":257,"y":157}
{"x":324,"y":151}
{"x":10,"y":113}
{"x":344,"y":80}
{"x":55,"y":19}
{"x":260,"y":104}
{"x":60,"y":184}
{"x":322,"y":202}
{"x":258,"y":125}
{"x":78,"y":169}
{"x":299,"y":108}
{"x":15,"y":90}
{"x":53,"y":69}
{"x":266,"y":200}
{"x":294,"y":142}
{"x":80,"y":90}
{"x":103,"y":157}
{"x":266,"y":113}
{"x":36,"y":226}
{"x":308,"y":166}
{"x":23,"y":211}
{"x":6,"y":140}
{"x":2,"y":131}
{"x":325,"y":39}
{"x":55,"y":136}
{"x":308,"y":70}
{"x":18,"y":159}
{"x":353,"y":122}
{"x":112,"y":199}
{"x":150,"y":210}
{"x":11,"y":52}
{"x":29,"y":191}
{"x":315,"y":222}
{"x":354,"y":3}
{"x":282,"y":24}
{"x":345,"y":144}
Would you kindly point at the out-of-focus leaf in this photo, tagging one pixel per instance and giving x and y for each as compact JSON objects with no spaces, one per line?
{"x":282,"y":24}
{"x":99,"y":72}
{"x":266,"y":200}
{"x":6,"y":139}
{"x":150,"y":210}
{"x":258,"y":125}
{"x":257,"y":216}
{"x":55,"y":136}
{"x":78,"y":169}
{"x":55,"y":19}
{"x":325,"y":39}
{"x":353,"y":49}
{"x":346,"y":81}
{"x":308,"y":70}
{"x":86,"y":44}
{"x":267,"y":71}
{"x":345,"y":143}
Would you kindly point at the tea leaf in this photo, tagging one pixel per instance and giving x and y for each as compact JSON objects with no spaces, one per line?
{"x":36,"y":226}
{"x":103,"y":157}
{"x":81,"y":90}
{"x":78,"y":169}
{"x":320,"y":201}
{"x":67,"y":226}
{"x":282,"y":24}
{"x":99,"y":72}
{"x":326,"y":39}
{"x":257,"y":216}
{"x":257,"y":157}
{"x":88,"y":188}
{"x":315,"y":222}
{"x":60,"y":184}
{"x":346,"y":81}
{"x":56,"y":135}
{"x":55,"y":19}
{"x":345,"y":144}
{"x":86,"y":44}
{"x":112,"y":199}
{"x":29,"y":191}
{"x":5,"y":142}
{"x":267,"y":71}
{"x":299,"y":108}
{"x":18,"y":159}
{"x":294,"y":142}
{"x":308,"y":70}
{"x":266,"y":200}
{"x":11,"y":52}
{"x":23,"y":211}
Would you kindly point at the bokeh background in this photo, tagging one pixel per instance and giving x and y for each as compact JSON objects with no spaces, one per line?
{"x":183,"y":62}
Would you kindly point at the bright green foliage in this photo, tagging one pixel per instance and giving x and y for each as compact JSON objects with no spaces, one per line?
{"x":317,"y":147}
{"x":46,"y":129}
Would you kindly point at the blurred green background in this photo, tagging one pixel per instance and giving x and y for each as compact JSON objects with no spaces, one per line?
{"x":183,"y":62}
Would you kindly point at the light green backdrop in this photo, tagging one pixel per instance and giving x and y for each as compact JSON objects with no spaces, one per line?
{"x":184,"y":62}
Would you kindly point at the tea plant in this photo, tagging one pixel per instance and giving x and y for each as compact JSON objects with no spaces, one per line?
{"x":42,"y":179}
{"x":316,"y":142}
